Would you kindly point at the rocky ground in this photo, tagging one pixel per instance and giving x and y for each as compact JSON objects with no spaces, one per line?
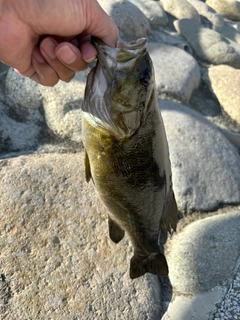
{"x":56,"y":259}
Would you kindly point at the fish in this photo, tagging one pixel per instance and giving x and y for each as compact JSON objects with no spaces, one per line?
{"x":126,"y":152}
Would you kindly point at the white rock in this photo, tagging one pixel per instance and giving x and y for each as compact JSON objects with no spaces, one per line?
{"x":208,"y":44}
{"x":177,"y":73}
{"x":132,"y":23}
{"x":205,"y":165}
{"x":153,"y":11}
{"x":221,"y":79}
{"x":229,"y":9}
{"x":204,"y":10}
{"x":181,"y":9}
{"x":204,"y":254}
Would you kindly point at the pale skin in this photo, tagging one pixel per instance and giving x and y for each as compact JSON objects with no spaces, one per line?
{"x":48,"y":40}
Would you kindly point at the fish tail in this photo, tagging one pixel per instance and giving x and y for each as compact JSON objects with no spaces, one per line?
{"x":155,"y":263}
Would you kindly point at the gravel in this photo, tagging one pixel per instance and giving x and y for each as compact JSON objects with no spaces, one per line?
{"x":230,"y":306}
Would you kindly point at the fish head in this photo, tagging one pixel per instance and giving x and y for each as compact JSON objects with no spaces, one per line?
{"x":123,"y":84}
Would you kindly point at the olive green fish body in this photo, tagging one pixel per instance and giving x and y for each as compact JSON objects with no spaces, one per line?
{"x":127,"y":154}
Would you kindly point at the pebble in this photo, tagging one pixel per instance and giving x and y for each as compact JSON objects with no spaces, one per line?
{"x":181,"y":9}
{"x":208,"y":44}
{"x":220,"y":79}
{"x":181,"y":79}
{"x":229,"y":9}
{"x":196,"y":144}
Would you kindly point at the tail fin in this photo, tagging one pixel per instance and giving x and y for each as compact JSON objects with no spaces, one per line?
{"x":155,"y":263}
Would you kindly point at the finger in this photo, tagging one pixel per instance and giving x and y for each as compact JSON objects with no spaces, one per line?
{"x":40,"y":71}
{"x":70,"y":56}
{"x":47,"y":48}
{"x":88,"y":51}
{"x":44,"y":73}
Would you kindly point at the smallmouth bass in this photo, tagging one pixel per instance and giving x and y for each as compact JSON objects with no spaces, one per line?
{"x":127,"y":154}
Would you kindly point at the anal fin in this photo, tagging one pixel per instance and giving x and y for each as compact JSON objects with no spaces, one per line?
{"x":170,"y":219}
{"x":116,"y":233}
{"x":154,"y":263}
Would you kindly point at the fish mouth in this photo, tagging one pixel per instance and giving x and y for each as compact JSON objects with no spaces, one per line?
{"x":124,"y":51}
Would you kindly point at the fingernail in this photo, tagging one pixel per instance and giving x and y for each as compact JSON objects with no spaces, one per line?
{"x":49,"y":45}
{"x":91,"y":59}
{"x":66,"y":54}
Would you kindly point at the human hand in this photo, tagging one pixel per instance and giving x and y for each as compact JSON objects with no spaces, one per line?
{"x":50,"y":40}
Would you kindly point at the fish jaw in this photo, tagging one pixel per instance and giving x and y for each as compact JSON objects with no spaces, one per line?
{"x":120,"y":87}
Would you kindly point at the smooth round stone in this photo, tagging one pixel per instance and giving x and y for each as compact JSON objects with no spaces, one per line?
{"x":229,"y":9}
{"x":131,"y":21}
{"x":203,"y":255}
{"x":153,"y":11}
{"x":221,"y":79}
{"x":205,"y":165}
{"x":208,"y":44}
{"x":181,"y":9}
{"x":176,"y":72}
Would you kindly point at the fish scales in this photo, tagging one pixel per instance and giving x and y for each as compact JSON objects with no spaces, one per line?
{"x":127,"y":154}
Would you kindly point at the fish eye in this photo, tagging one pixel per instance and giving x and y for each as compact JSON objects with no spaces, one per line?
{"x":145,"y":77}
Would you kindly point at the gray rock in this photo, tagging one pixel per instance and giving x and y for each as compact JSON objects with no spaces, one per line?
{"x":3,"y":74}
{"x":57,"y":261}
{"x":177,"y":73}
{"x":22,"y":91}
{"x":228,"y":31}
{"x":205,"y":165}
{"x":204,"y":10}
{"x":229,"y":9}
{"x":204,"y":254}
{"x":220,"y":79}
{"x":153,"y":11}
{"x":181,"y":9}
{"x":208,"y":44}
{"x":20,"y":128}
{"x":62,"y":107}
{"x":132,"y":23}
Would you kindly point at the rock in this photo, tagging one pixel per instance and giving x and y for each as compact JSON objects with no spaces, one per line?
{"x":57,"y":261}
{"x":177,"y":73}
{"x":221,"y":78}
{"x":195,"y":255}
{"x":153,"y":11}
{"x":132,"y":23}
{"x":21,"y":129}
{"x":3,"y":73}
{"x":61,"y":103}
{"x":181,"y":9}
{"x":229,"y":9}
{"x":22,"y":91}
{"x":208,"y":44}
{"x":62,"y":107}
{"x":205,"y":165}
{"x":171,"y":38}
{"x":228,"y":32}
{"x":202,"y":259}
{"x":204,"y":10}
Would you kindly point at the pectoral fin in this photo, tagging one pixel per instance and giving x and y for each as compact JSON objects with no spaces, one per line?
{"x":88,"y":174}
{"x":154,"y":263}
{"x":115,"y":232}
